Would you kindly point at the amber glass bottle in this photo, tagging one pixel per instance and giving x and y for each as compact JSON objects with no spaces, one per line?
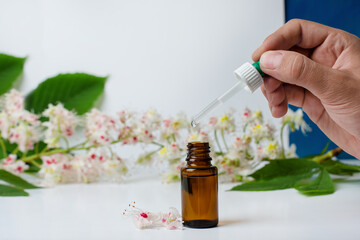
{"x":199,"y":188}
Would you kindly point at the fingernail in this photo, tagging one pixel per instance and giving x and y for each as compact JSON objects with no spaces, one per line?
{"x":271,"y":60}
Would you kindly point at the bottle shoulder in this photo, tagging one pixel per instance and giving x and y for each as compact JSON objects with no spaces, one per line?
{"x":196,"y":171}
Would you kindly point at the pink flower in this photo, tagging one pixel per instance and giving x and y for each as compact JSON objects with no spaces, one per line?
{"x":14,"y":102}
{"x":14,"y":166}
{"x":143,"y":134}
{"x":24,"y":135}
{"x":4,"y":125}
{"x":151,"y":119}
{"x":61,"y":124}
{"x":100,"y":128}
{"x":144,"y":219}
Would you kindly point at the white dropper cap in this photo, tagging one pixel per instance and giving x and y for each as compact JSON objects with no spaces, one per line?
{"x":250,"y":76}
{"x":250,"y":79}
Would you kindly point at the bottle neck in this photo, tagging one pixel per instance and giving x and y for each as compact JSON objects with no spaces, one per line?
{"x":198,"y":154}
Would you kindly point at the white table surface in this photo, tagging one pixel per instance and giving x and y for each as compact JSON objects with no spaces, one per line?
{"x":94,"y":211}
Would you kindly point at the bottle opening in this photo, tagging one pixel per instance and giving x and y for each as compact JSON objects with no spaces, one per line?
{"x":198,"y":150}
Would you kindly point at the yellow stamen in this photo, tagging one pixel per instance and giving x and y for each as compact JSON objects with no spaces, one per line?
{"x":224,"y":118}
{"x":163,"y":150}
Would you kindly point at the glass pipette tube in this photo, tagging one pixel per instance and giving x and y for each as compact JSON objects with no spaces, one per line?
{"x":223,"y":98}
{"x":249,"y":77}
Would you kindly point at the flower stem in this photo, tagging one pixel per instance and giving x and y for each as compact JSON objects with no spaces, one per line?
{"x":217,"y":141}
{"x":66,"y":150}
{"x":223,"y":138}
{"x":3,"y":148}
{"x":245,"y":126}
{"x":15,"y":150}
{"x":173,"y":137}
{"x":152,"y":152}
{"x":332,"y":153}
{"x":158,"y":144}
{"x":82,"y":144}
{"x":66,"y":141}
{"x":35,"y":163}
{"x":282,"y":154}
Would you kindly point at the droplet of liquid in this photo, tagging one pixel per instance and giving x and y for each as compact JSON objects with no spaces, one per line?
{"x":193,"y":123}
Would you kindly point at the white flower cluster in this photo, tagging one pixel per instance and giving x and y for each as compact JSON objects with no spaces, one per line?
{"x":237,"y":147}
{"x":253,"y":140}
{"x":18,"y":125}
{"x":16,"y":167}
{"x":60,"y":162}
{"x":296,"y":121}
{"x":61,"y":124}
{"x":170,"y":219}
{"x":93,"y":166}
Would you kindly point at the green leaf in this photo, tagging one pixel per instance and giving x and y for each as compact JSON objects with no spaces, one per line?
{"x":320,"y":186}
{"x":9,"y":191}
{"x":39,"y":146}
{"x":10,"y":70}
{"x":339,"y":168}
{"x":8,"y":146}
{"x":276,"y":183}
{"x":325,"y":148}
{"x":32,"y":167}
{"x":78,"y":91}
{"x":15,"y":180}
{"x":286,"y":167}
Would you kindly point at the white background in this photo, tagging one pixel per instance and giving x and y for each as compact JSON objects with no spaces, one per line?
{"x":170,"y":55}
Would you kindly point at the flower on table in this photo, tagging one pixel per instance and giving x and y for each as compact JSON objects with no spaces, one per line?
{"x":170,"y":219}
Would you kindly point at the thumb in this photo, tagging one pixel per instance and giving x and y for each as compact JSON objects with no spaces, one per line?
{"x":295,"y":68}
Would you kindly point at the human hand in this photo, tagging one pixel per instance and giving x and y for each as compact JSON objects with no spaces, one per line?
{"x":315,"y":67}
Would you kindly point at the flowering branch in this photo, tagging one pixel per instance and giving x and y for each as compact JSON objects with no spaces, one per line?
{"x":94,"y":159}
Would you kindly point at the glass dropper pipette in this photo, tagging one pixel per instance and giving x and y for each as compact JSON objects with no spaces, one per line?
{"x":249,"y":78}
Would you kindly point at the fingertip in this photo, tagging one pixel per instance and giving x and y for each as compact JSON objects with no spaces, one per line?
{"x":256,"y":55}
{"x":271,"y":60}
{"x":279,"y":110}
{"x":271,"y":84}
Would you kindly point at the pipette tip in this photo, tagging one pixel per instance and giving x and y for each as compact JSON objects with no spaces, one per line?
{"x":193,"y":123}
